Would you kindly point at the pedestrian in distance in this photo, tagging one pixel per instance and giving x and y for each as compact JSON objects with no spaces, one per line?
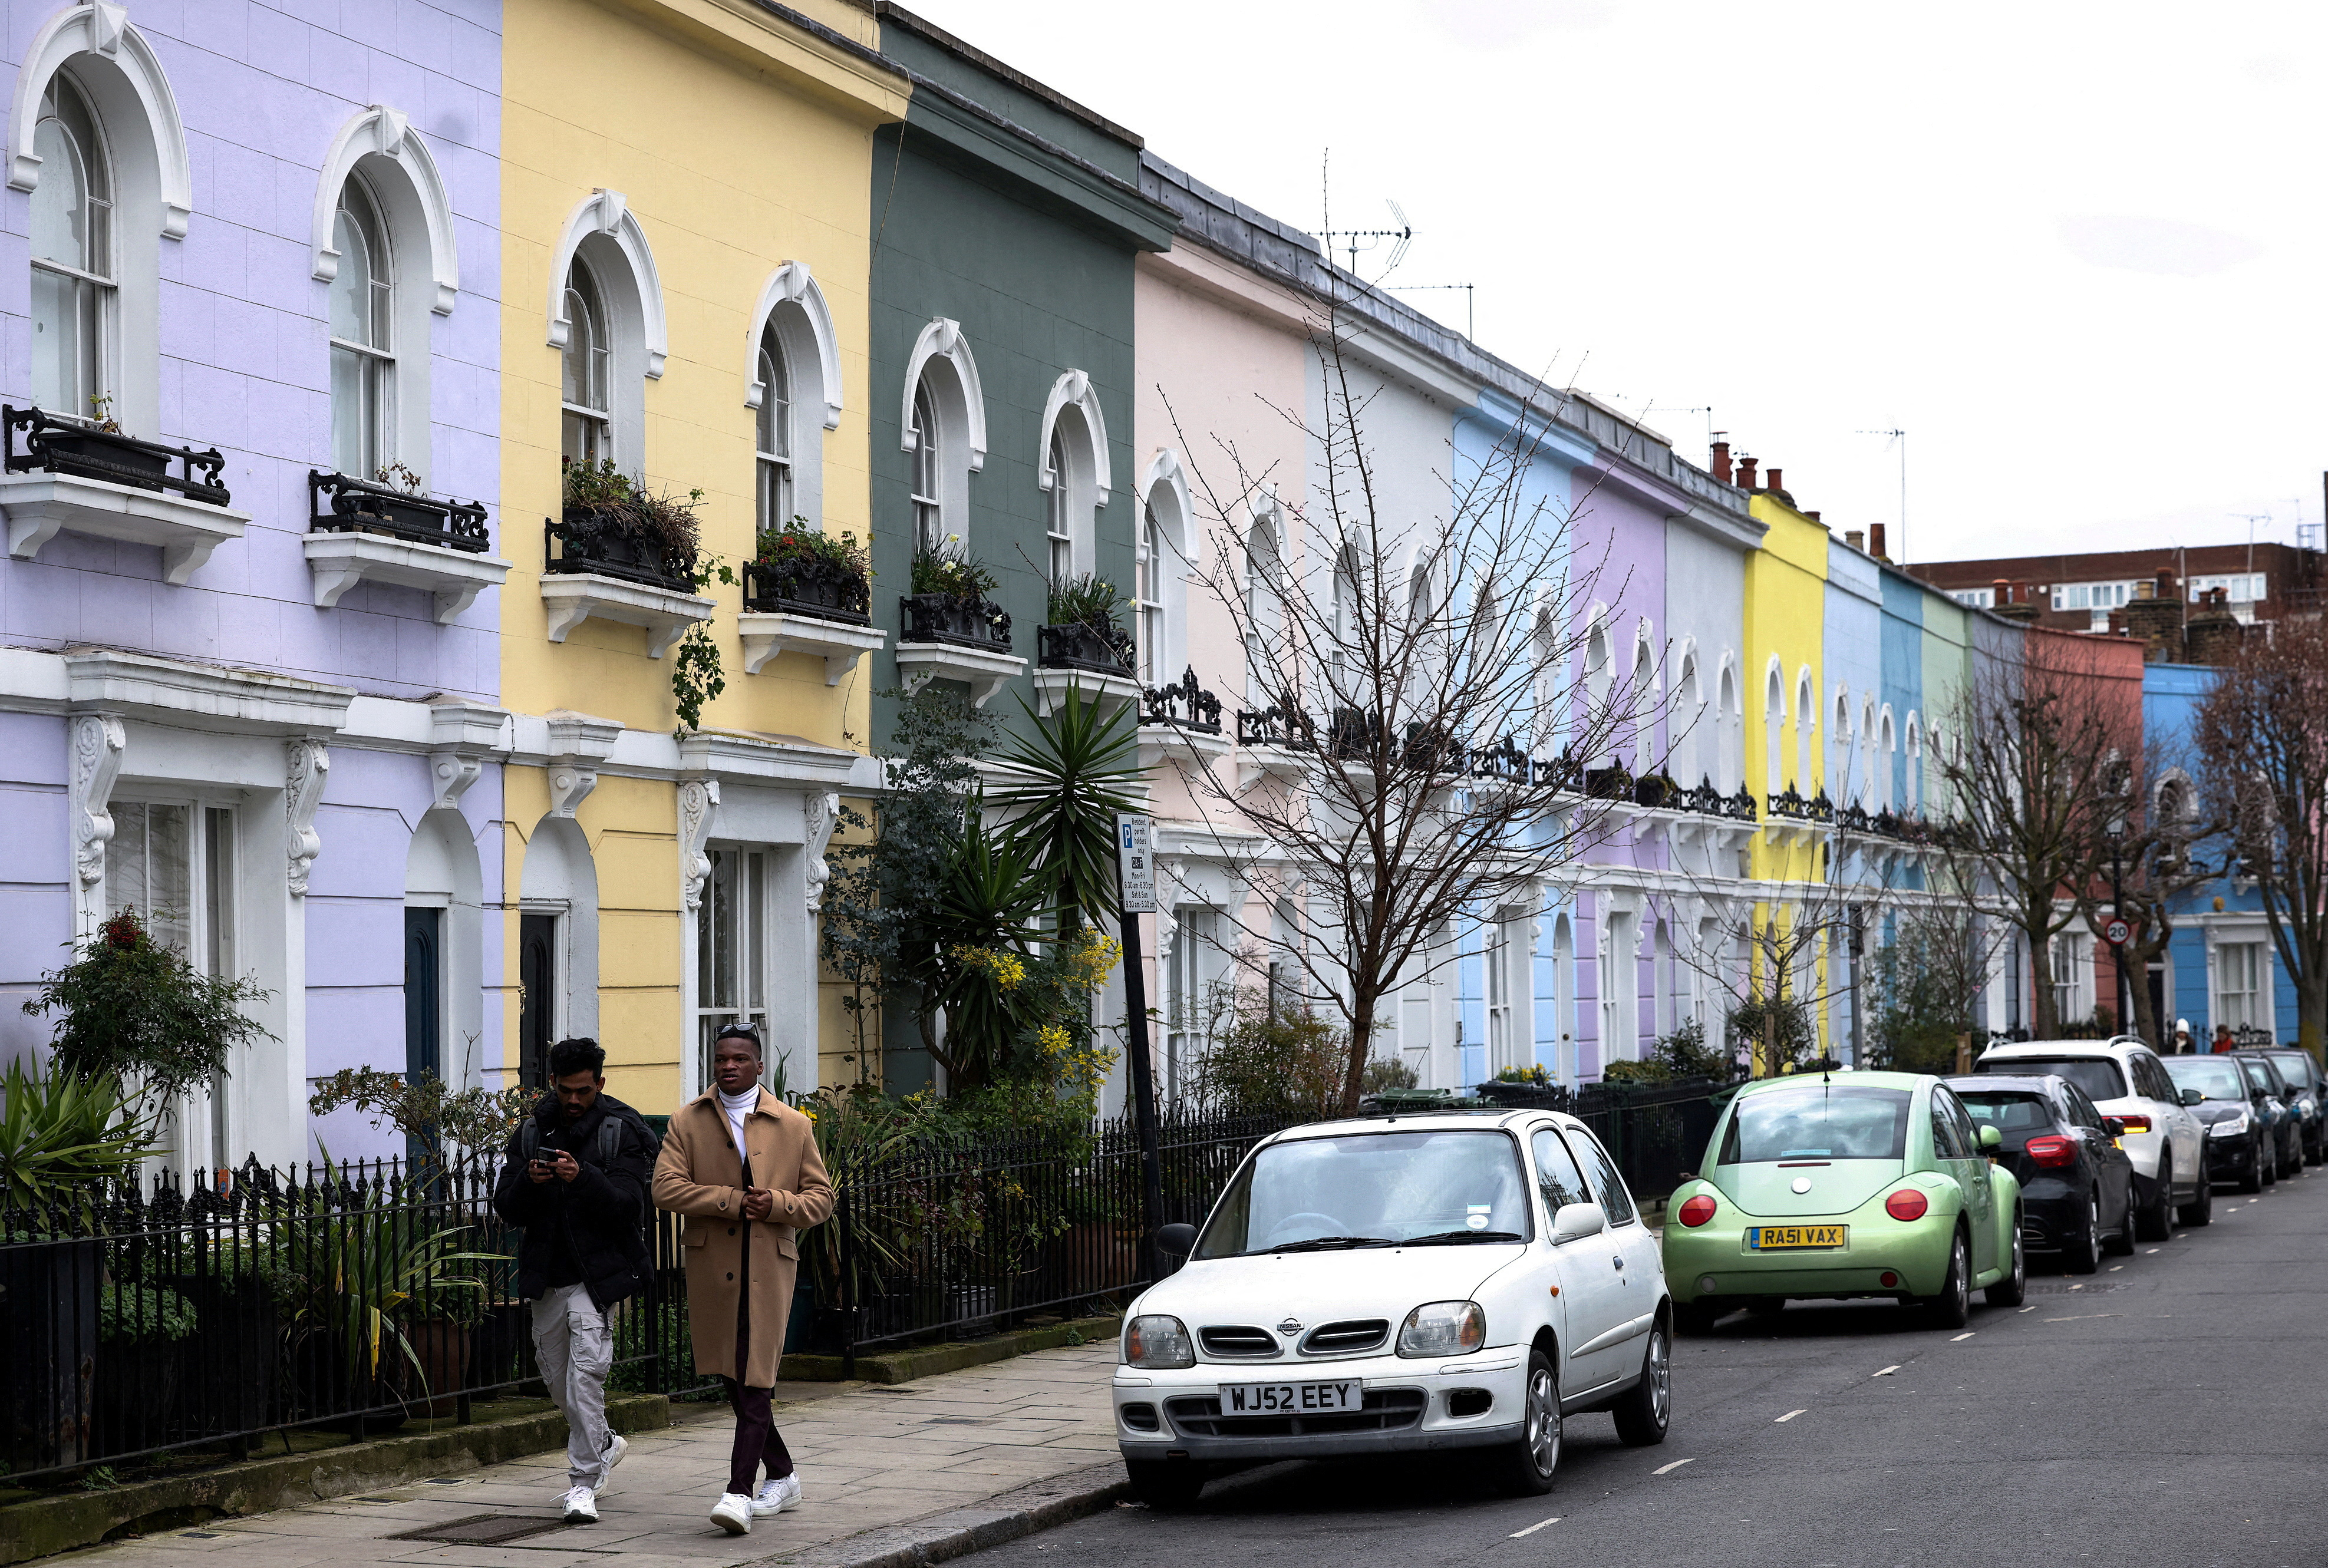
{"x":575,"y":1178}
{"x":742,"y":1167}
{"x":2222,"y":1041}
{"x":2182,"y":1036}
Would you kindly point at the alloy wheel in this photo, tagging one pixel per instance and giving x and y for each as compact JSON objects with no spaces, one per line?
{"x":1660,"y":1372}
{"x":1544,"y":1423}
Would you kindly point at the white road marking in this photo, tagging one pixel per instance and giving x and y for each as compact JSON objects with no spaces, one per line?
{"x":2148,"y":1251}
{"x":1961,"y":1337}
{"x":2113,"y":1268}
{"x":2076,"y":1316}
{"x":1532,"y":1529}
{"x":1887,"y":1372}
{"x":2029,"y":1308}
{"x":1790,"y":1415}
{"x":2077,"y":1287}
{"x":1674,"y":1466}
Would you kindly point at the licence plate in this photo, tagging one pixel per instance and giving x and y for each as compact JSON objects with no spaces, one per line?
{"x":1289,"y":1398}
{"x":1780,"y":1238}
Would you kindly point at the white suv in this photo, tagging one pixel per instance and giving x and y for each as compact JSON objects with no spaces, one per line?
{"x":1400,"y":1284}
{"x":2124,"y":1078}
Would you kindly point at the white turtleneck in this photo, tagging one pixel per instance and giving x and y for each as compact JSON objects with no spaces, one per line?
{"x":736,"y":1107}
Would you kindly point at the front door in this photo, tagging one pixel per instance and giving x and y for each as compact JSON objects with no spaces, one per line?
{"x":424,"y":967}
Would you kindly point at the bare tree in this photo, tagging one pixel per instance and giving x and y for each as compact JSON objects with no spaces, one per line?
{"x":1432,"y":727}
{"x":2262,"y":734}
{"x":2148,"y":866}
{"x":2040,"y":733}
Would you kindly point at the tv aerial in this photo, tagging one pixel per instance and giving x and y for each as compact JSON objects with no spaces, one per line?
{"x":1398,"y":239}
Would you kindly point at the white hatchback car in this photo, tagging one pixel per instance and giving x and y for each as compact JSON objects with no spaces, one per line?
{"x":2124,"y":1078}
{"x":1418,"y":1283}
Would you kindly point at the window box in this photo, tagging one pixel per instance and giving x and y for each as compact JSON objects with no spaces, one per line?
{"x":1080,"y":645}
{"x":62,"y":477}
{"x":812,"y":588}
{"x":964,"y":619}
{"x":364,"y":532}
{"x":341,"y":504}
{"x":606,"y":574}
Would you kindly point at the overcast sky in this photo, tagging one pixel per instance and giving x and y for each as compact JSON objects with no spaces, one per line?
{"x":2073,"y":251}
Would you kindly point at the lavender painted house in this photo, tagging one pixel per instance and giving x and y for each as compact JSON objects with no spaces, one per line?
{"x":248,"y":646}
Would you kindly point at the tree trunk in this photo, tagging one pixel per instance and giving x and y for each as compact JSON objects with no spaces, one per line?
{"x":2312,"y":1013}
{"x":1362,"y":1035}
{"x":2136,"y":959}
{"x":2046,"y":1023}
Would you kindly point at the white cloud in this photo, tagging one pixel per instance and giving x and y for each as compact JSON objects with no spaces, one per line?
{"x":2160,"y":245}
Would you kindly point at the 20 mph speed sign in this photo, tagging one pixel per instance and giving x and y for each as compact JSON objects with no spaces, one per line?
{"x":2118,"y":933}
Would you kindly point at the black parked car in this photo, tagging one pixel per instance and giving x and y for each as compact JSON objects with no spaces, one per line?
{"x":2242,"y":1138}
{"x":2307,"y":1083}
{"x":2287,"y":1123}
{"x":2076,"y":1185}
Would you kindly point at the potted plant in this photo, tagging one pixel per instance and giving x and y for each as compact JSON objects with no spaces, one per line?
{"x":1082,"y":629}
{"x":800,"y":568}
{"x":99,"y":448}
{"x":951,"y":598}
{"x":612,"y":523}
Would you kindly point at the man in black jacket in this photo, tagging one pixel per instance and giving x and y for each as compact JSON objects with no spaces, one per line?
{"x":576,"y":1177}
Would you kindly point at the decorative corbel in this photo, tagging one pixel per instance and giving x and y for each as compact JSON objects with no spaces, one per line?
{"x":579,"y":743}
{"x":98,"y":740}
{"x":464,"y":734}
{"x":822,"y":811}
{"x":699,"y":806}
{"x":307,"y":761}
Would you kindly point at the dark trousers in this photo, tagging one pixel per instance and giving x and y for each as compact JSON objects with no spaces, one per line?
{"x":757,"y":1441}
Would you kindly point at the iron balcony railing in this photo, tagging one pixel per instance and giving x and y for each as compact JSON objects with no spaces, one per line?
{"x":819,"y":589}
{"x":599,"y":541}
{"x":40,"y":442}
{"x":1106,"y":650}
{"x":966,"y":620}
{"x":338,"y":503}
{"x":1183,"y":704}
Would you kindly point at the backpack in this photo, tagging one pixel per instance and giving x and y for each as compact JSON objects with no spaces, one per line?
{"x":610,"y":1141}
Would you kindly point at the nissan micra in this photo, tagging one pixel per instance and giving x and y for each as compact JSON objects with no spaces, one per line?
{"x":1400,"y":1284}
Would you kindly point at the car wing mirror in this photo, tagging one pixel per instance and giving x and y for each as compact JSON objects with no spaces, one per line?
{"x":2192,"y":1096}
{"x":1575,"y":1220}
{"x":1991,"y":1140}
{"x":1176,"y":1241}
{"x":2112,"y":1126}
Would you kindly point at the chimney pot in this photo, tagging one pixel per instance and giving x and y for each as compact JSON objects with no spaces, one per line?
{"x":1853,"y":536}
{"x":1875,"y":542}
{"x":1746,"y":472}
{"x":1812,"y":515}
{"x":1772,"y":483}
{"x":2165,"y":582}
{"x":1721,"y":461}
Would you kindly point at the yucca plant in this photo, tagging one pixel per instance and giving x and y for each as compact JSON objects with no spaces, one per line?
{"x":65,"y":1140}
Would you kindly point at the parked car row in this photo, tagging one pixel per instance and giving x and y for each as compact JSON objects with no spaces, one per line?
{"x":1465,"y":1280}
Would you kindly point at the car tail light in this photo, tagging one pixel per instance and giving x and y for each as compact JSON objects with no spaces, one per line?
{"x":1906,"y":1204}
{"x":2053,"y":1151}
{"x":2135,"y":1124}
{"x":1696,"y":1211}
{"x":1888,"y":1280}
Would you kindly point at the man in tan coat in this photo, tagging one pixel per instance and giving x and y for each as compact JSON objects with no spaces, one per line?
{"x":744,"y":1217}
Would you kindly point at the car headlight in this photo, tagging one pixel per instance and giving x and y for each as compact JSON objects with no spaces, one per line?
{"x":2229,"y":1127}
{"x":1443,"y":1328}
{"x":1157,"y":1342}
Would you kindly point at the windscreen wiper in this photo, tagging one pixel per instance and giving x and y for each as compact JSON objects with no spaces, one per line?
{"x":1331,"y":1243}
{"x":1453,"y":1237}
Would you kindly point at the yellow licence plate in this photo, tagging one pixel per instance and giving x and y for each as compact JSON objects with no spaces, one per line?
{"x":1780,"y":1238}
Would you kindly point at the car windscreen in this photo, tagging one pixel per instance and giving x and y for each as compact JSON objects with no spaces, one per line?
{"x":2259,"y":1075}
{"x":2099,"y":1076}
{"x":2295,"y":1068}
{"x":1817,"y":1121}
{"x":1373,"y":1190}
{"x":2211,"y":1075}
{"x":2007,"y":1112}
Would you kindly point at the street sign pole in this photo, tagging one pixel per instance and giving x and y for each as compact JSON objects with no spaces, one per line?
{"x":1135,"y":880}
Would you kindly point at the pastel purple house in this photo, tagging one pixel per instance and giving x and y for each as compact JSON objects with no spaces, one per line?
{"x":249,"y":349}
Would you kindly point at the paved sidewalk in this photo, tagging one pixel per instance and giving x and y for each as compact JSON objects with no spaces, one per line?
{"x":871,"y":1458}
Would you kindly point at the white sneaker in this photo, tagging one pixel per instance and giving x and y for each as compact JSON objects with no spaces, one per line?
{"x":733,"y":1513}
{"x":775,"y":1496}
{"x":617,"y":1446}
{"x":580,"y":1506}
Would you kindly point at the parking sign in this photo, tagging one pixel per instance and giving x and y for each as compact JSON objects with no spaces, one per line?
{"x":1135,"y":864}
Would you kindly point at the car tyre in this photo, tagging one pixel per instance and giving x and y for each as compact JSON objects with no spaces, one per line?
{"x":2010,"y":1291}
{"x":1524,"y":1468}
{"x":1952,"y":1308}
{"x":2082,"y":1253}
{"x":2200,"y":1210}
{"x":2267,"y":1161}
{"x":1164,"y":1483}
{"x":1695,"y":1320}
{"x":2158,"y":1215}
{"x":1647,"y":1409}
{"x":2252,"y":1182}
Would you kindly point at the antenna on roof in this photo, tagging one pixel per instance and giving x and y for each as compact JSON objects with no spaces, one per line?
{"x":1401,"y":237}
{"x":1470,"y":319}
{"x":1898,"y":439}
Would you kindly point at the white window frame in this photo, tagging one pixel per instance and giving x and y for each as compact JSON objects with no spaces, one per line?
{"x":751,"y":931}
{"x":942,"y":370}
{"x":1265,"y":583}
{"x":375,"y":357}
{"x":1189,"y":972}
{"x":94,"y":285}
{"x":1075,"y":474}
{"x":774,"y":484}
{"x":603,"y":229}
{"x":792,"y":311}
{"x":1169,"y":505}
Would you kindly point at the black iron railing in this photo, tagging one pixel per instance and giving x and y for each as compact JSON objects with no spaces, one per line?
{"x":816,"y":588}
{"x":1789,"y":803}
{"x":338,"y":503}
{"x":602,"y":542}
{"x":966,"y":620}
{"x":1080,"y":645}
{"x":1655,"y":1132}
{"x":40,"y":442}
{"x":1276,"y":726}
{"x":1183,"y":704}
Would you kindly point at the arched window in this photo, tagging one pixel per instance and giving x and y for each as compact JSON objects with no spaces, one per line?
{"x":1643,"y":696}
{"x":74,"y":297}
{"x":1344,"y":654}
{"x":1684,"y":722}
{"x":773,"y":433}
{"x":1885,"y":751}
{"x":1544,"y":664}
{"x":1076,"y":476}
{"x":1730,"y":727}
{"x":587,"y":374}
{"x":1147,"y":596}
{"x":1845,"y":785}
{"x":1914,"y":791}
{"x":1774,"y":717}
{"x":1806,"y":730}
{"x":1161,"y":591}
{"x":929,"y":461}
{"x":1263,"y":577}
{"x":363,"y":336}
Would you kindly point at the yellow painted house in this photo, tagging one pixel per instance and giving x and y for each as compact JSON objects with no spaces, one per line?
{"x":684,"y":259}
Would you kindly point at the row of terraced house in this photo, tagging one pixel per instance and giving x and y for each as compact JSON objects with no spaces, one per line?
{"x":303,"y":654}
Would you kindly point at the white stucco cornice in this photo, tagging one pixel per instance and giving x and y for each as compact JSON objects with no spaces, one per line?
{"x":387,"y":133}
{"x":608,"y":212}
{"x":104,"y":30}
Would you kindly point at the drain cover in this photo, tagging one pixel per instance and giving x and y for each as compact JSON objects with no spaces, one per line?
{"x":485,"y":1529}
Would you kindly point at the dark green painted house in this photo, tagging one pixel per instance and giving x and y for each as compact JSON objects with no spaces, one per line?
{"x":1006,"y":220}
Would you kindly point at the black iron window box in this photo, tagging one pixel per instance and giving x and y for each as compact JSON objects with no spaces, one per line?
{"x":816,"y":590}
{"x":589,"y":540}
{"x":966,"y":620}
{"x":342,"y":504}
{"x":1079,"y":645}
{"x":49,"y":445}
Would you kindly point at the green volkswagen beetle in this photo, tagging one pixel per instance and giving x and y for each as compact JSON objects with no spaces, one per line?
{"x":1845,"y":1185}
